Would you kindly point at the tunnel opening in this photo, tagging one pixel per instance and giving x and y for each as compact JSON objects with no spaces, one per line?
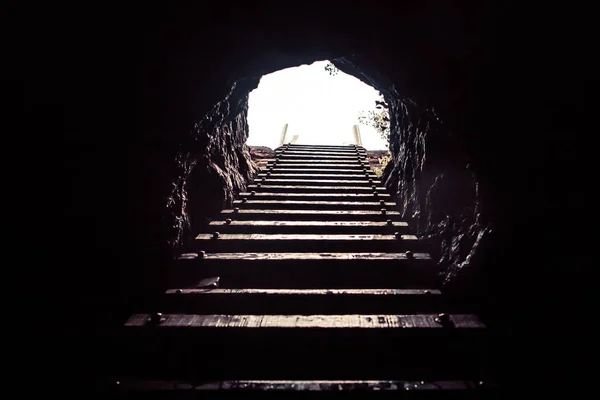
{"x":316,"y":104}
{"x":222,"y":168}
{"x":428,"y":173}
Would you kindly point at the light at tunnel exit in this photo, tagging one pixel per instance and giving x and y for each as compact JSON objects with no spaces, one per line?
{"x":318,"y":107}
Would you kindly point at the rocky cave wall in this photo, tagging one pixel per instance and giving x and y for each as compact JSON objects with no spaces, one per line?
{"x":213,"y":166}
{"x":436,"y":190}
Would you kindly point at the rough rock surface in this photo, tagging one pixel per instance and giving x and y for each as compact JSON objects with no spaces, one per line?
{"x":218,"y":167}
{"x":375,"y":158}
{"x":261,"y":154}
{"x":435,"y":190}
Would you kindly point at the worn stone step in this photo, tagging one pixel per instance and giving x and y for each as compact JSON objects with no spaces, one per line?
{"x":317,"y":162}
{"x":317,"y":182}
{"x":314,"y":162}
{"x":360,"y":197}
{"x":350,"y":190}
{"x":356,"y":346}
{"x":321,"y":147}
{"x":409,"y":388}
{"x":318,"y":171}
{"x":319,"y":153}
{"x":307,"y":270}
{"x":308,"y":165}
{"x":309,"y":215}
{"x":232,"y":243}
{"x":314,"y":227}
{"x":303,"y":301}
{"x":282,"y":168}
{"x":358,"y":176}
{"x":319,"y":157}
{"x":312,"y":205}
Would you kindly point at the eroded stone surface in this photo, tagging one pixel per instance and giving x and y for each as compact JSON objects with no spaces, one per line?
{"x":214,"y":170}
{"x":434,"y":187}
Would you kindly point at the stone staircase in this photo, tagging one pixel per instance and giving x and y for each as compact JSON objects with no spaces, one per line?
{"x":311,"y":282}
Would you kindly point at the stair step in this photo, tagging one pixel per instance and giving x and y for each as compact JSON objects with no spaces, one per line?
{"x":360,"y":176}
{"x":315,"y":227}
{"x":408,"y":387}
{"x":233,"y":243}
{"x":315,"y":205}
{"x":303,"y":301}
{"x":318,"y":182}
{"x":310,"y":165}
{"x":324,"y":147}
{"x":348,"y":190}
{"x":361,"y":197}
{"x":217,"y":346}
{"x":321,"y":149}
{"x":309,"y":215}
{"x":319,"y":153}
{"x":319,"y":157}
{"x":319,"y":172}
{"x":338,"y":323}
{"x":314,"y":162}
{"x":308,"y":270}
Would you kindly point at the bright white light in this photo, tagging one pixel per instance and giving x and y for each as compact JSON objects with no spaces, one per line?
{"x":318,"y":107}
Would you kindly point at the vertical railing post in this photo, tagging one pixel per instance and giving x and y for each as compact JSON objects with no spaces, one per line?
{"x":283,"y":135}
{"x":357,"y":137}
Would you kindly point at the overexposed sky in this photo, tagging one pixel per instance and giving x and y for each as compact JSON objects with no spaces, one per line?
{"x":318,"y":107}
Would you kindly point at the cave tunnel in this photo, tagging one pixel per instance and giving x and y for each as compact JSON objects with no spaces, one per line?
{"x":153,"y":116}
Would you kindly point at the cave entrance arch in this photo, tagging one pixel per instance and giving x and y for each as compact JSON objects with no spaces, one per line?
{"x":220,"y":165}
